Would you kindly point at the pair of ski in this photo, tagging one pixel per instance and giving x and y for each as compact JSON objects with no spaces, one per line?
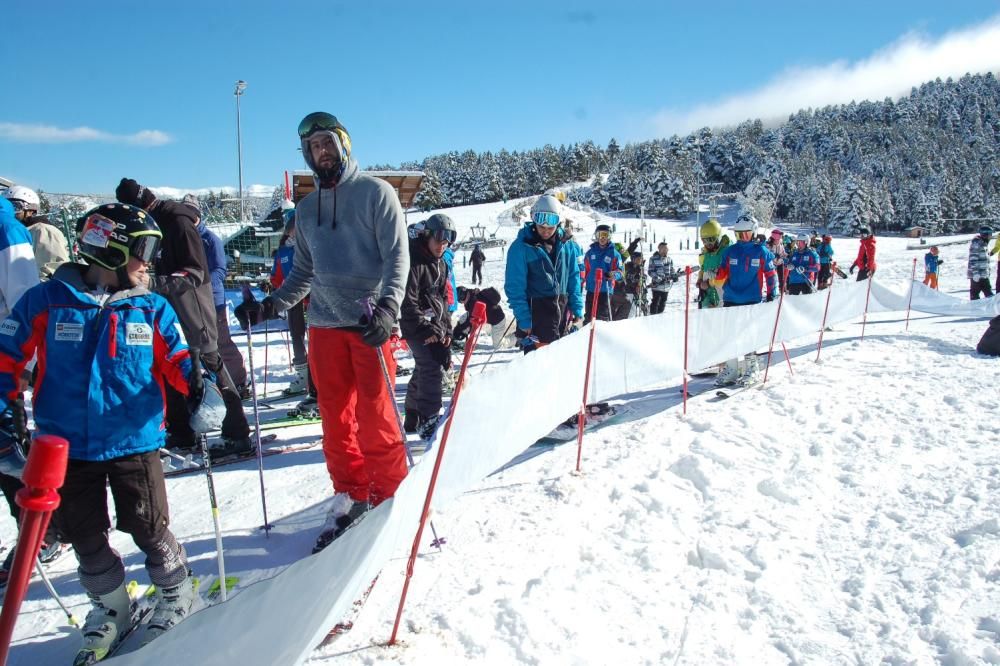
{"x":193,"y":462}
{"x":140,"y":609}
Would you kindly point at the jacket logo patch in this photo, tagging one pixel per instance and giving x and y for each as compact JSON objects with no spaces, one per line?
{"x":733,"y":261}
{"x":68,"y":332}
{"x":9,"y":327}
{"x":139,"y":334}
{"x":755,"y":262}
{"x":607,"y":260}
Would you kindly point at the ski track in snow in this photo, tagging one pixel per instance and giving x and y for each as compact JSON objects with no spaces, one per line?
{"x":849,"y":514}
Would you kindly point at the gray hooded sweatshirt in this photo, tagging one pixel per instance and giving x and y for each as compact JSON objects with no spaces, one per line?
{"x":350,"y":243}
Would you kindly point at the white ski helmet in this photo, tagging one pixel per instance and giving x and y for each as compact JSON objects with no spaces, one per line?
{"x":746,"y":222}
{"x":28,"y":198}
{"x":802,"y":238}
{"x":544,"y":208}
{"x":286,"y":204}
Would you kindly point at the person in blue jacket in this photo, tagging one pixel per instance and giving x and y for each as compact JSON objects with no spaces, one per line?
{"x":803,"y":267}
{"x":601,"y":254}
{"x":542,"y":278}
{"x":110,"y":346}
{"x":825,"y":252}
{"x":932,"y":266}
{"x":216,"y":254}
{"x":449,"y":259}
{"x":748,"y":272}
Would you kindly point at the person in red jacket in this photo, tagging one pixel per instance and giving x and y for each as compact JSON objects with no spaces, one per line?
{"x":865,"y":263}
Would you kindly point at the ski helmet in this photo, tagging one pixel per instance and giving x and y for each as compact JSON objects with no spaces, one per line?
{"x":111,"y":233}
{"x":546,"y":211}
{"x":865,"y":232}
{"x":286,"y":204}
{"x":322,"y":122}
{"x":827,"y":238}
{"x":711,"y":230}
{"x":440,"y":227}
{"x":802,"y":238}
{"x":983,"y":230}
{"x":746,"y":222}
{"x":23,"y":198}
{"x":210,"y":411}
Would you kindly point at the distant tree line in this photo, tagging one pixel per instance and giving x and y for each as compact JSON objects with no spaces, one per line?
{"x":928,"y":159}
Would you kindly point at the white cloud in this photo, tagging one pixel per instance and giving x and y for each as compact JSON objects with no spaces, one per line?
{"x":891,"y":72}
{"x":35,"y":133}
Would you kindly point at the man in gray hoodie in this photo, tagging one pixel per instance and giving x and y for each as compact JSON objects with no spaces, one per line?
{"x":351,"y":246}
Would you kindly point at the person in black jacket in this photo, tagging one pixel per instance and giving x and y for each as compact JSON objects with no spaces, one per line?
{"x":477,"y":259}
{"x":182,"y":277}
{"x":425,"y":321}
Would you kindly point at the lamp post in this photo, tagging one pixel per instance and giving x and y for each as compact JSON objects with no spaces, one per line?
{"x":241,"y":85}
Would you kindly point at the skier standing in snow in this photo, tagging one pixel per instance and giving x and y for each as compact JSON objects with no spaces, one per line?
{"x":825,"y":252}
{"x":350,"y":246}
{"x":714,"y":242}
{"x":932,"y":266}
{"x":803,"y":267}
{"x":661,"y":276}
{"x":979,"y":265}
{"x":747,"y":270}
{"x":601,"y":254}
{"x":865,"y":261}
{"x":776,"y":244}
{"x":48,"y":242}
{"x":635,"y":287}
{"x":215,"y":255}
{"x":109,"y":345}
{"x":182,"y":278}
{"x":425,"y":321}
{"x":542,"y":279}
{"x":477,"y":259}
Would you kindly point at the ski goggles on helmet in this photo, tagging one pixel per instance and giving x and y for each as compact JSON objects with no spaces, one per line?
{"x":145,"y":248}
{"x":20,"y":205}
{"x":546,"y":219}
{"x":444,"y":235}
{"x":318,"y":121}
{"x":603,"y":235}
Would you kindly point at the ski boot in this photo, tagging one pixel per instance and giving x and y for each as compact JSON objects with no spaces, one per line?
{"x":51,"y":552}
{"x":232,"y":446}
{"x":410,"y":421}
{"x":344,"y":513}
{"x":300,"y":384}
{"x":751,"y":370}
{"x":730,"y":373}
{"x":173,"y":604}
{"x":426,"y":427}
{"x":306,"y":409}
{"x":108,"y":623}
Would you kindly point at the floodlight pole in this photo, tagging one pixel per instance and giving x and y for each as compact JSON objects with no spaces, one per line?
{"x":241,"y":85}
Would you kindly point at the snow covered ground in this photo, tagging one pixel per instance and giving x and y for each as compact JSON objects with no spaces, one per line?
{"x":849,"y":513}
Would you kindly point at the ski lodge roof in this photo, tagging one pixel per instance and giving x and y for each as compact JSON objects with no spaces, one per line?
{"x":406,"y":184}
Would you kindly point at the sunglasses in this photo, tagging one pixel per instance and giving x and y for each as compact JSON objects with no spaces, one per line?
{"x":546,"y":219}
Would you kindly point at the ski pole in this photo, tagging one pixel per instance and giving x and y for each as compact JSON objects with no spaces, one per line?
{"x":288,"y":350}
{"x":909,"y":301}
{"x":774,"y":334}
{"x":267,"y":345}
{"x":390,"y":386}
{"x":478,"y":318}
{"x":581,"y":419}
{"x":215,"y":513}
{"x":55,"y":595}
{"x":247,"y":296}
{"x":826,"y":309}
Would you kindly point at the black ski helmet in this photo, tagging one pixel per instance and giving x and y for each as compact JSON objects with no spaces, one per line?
{"x":320,"y":121}
{"x":111,"y":233}
{"x":440,"y":227}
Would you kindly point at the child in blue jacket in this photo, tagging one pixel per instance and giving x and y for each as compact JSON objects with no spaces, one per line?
{"x":110,"y":346}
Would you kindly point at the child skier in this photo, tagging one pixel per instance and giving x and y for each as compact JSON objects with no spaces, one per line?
{"x":99,"y":323}
{"x":803,"y":266}
{"x":932,"y":266}
{"x":425,"y":321}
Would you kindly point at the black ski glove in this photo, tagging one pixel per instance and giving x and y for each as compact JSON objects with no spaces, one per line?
{"x":441,"y":354}
{"x":251,"y":313}
{"x":378,"y":327}
{"x":196,"y":383}
{"x":19,"y":421}
{"x":853,"y":268}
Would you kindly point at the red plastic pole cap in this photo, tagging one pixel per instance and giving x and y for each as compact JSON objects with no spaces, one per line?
{"x":479,"y":313}
{"x":46,"y":466}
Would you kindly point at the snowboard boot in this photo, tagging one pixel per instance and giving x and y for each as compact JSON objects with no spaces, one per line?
{"x":427,"y":426}
{"x":306,"y":409}
{"x":339,"y":517}
{"x":173,"y":604}
{"x":751,"y":370}
{"x":300,"y":384}
{"x":730,"y":373}
{"x":107,"y":625}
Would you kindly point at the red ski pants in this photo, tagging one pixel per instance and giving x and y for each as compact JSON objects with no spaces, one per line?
{"x":361,"y":441}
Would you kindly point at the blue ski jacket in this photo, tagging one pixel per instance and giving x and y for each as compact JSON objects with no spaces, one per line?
{"x":608,"y":260}
{"x":825,"y":252}
{"x":808,"y":261}
{"x":284,"y":259}
{"x":109,"y":364}
{"x":216,"y":254}
{"x":532,"y":273}
{"x":449,"y":259}
{"x":931,"y":262}
{"x":748,"y":271}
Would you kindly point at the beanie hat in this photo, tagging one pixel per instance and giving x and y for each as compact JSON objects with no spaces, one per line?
{"x":132,"y":193}
{"x":191,"y":201}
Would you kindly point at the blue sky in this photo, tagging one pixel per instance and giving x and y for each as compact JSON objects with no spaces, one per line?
{"x":97,"y":91}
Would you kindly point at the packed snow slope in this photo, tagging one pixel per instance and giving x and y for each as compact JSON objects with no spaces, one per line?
{"x":846,"y":513}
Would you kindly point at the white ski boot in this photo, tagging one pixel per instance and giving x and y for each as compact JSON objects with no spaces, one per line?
{"x":173,"y":604}
{"x":108,"y":623}
{"x":730,"y":373}
{"x":751,"y":370}
{"x":300,"y":384}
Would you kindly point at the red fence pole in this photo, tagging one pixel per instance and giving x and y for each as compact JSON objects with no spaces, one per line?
{"x":864,"y":320}
{"x":44,"y":474}
{"x":687,"y":311}
{"x":774,"y":334}
{"x":581,"y":419}
{"x":826,"y":309}
{"x":787,"y":360}
{"x":913,"y":278}
{"x":288,"y":190}
{"x":478,"y":319}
